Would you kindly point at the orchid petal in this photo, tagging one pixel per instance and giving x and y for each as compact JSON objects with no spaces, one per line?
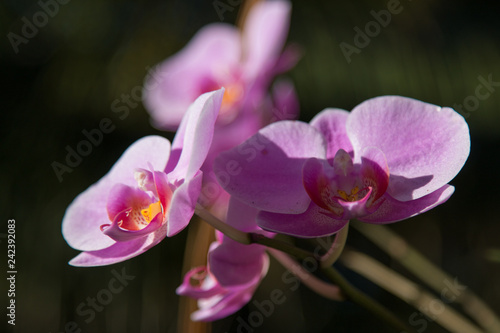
{"x":182,"y":206}
{"x":392,"y":210}
{"x":332,"y":124}
{"x":233,"y":263}
{"x":199,"y":131}
{"x":264,"y":35}
{"x":425,"y":145}
{"x":163,"y":190}
{"x":87,"y":212}
{"x":265,"y":171}
{"x":119,"y":251}
{"x":241,"y":216}
{"x":223,"y":305}
{"x":178,"y":81}
{"x":314,"y":222}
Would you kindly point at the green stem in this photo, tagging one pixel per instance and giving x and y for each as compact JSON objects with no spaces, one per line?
{"x":367,"y":302}
{"x":250,"y":238}
{"x":408,"y":291}
{"x":430,"y":273}
{"x":226,"y":229}
{"x":350,"y":291}
{"x":282,"y":246}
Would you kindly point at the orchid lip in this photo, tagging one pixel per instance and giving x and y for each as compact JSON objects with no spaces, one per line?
{"x":138,"y":211}
{"x":346,"y":189}
{"x":119,"y":234}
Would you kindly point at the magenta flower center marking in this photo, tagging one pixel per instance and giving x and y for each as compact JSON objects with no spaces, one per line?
{"x":133,"y":209}
{"x":346,"y":189}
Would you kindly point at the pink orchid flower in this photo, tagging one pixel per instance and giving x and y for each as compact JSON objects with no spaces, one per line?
{"x":389,"y":159}
{"x":245,"y":63}
{"x":233,"y":273}
{"x":219,"y":55}
{"x":149,"y":193}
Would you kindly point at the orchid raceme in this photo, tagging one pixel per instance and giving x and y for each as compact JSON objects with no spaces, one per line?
{"x":387,"y":160}
{"x":150,"y":192}
{"x":234,"y":270}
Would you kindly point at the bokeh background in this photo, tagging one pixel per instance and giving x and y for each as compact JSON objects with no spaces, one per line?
{"x":64,"y":80}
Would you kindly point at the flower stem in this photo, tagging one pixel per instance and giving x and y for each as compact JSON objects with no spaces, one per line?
{"x":431,"y":274}
{"x":336,"y":248}
{"x":347,"y":289}
{"x":280,"y":245}
{"x":250,"y":238}
{"x":408,"y":291}
{"x":365,"y":301}
{"x":322,"y":288}
{"x":226,"y":229}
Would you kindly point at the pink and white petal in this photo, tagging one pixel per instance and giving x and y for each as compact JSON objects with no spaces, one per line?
{"x":119,"y":251}
{"x":198,"y":135}
{"x":425,"y":145}
{"x":182,"y":206}
{"x":314,"y":222}
{"x":265,"y":171}
{"x":233,"y":263}
{"x":162,"y":187}
{"x":235,"y":298}
{"x":393,"y":210}
{"x":180,"y":79}
{"x":150,"y":150}
{"x":84,"y":216}
{"x":332,"y":124}
{"x":87,"y":212}
{"x":222,"y":305}
{"x":241,"y":216}
{"x":264,"y":35}
{"x":227,"y":137}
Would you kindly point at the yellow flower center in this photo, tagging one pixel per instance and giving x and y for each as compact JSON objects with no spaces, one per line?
{"x":353,"y":196}
{"x":233,"y":94}
{"x":153,"y":210}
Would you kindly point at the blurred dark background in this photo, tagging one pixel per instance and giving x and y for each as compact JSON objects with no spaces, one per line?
{"x":64,"y":78}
